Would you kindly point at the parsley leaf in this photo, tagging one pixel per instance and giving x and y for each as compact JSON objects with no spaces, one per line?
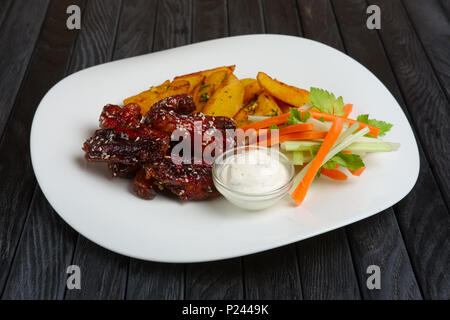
{"x":326,"y":102}
{"x":297,"y":117}
{"x":383,"y":126}
{"x":204,"y":87}
{"x":349,"y":161}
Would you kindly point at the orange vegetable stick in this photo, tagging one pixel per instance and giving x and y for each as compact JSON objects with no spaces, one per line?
{"x":300,"y":192}
{"x":348,"y":109}
{"x":316,"y":115}
{"x":334,"y":174}
{"x":357,"y":172}
{"x":267,"y":122}
{"x":308,"y":135}
{"x":296,"y":128}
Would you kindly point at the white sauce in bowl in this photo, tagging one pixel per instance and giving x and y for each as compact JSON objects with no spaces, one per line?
{"x":254,"y":172}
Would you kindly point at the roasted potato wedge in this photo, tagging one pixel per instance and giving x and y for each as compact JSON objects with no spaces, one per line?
{"x":197,"y":77}
{"x":286,"y":93}
{"x":247,"y":81}
{"x":266,"y":106}
{"x":148,"y":98}
{"x":241,"y":118}
{"x":227,"y":99}
{"x":205,"y":91}
{"x":282,"y":105}
{"x":193,"y":79}
{"x":251,"y":90}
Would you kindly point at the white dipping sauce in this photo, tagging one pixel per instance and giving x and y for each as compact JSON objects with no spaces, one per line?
{"x":254,"y":172}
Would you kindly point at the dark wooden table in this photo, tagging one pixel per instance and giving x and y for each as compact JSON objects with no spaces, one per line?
{"x":410,"y":241}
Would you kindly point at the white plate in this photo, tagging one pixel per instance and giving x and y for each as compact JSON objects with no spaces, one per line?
{"x":107,"y":212}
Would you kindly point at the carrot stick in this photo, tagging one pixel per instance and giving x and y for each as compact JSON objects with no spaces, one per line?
{"x":316,"y":115}
{"x":308,"y":135}
{"x":329,"y":117}
{"x":348,"y":109}
{"x":296,"y":128}
{"x":300,"y":192}
{"x":357,"y":172}
{"x":334,"y":174}
{"x":267,"y":122}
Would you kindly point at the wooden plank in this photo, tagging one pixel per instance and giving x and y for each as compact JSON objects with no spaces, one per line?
{"x":4,"y":9}
{"x":420,"y":88}
{"x":321,"y":29}
{"x":210,"y":20}
{"x":414,"y":212}
{"x":173,"y":24}
{"x":104,"y":273}
{"x":18,"y":36}
{"x":326,"y":266}
{"x":219,"y":280}
{"x":136,"y":29}
{"x":146,"y":280}
{"x":446,"y":7}
{"x":377,"y":241}
{"x":155,"y":281}
{"x":433,"y":28}
{"x":282,"y":17}
{"x":381,"y":231}
{"x":44,"y":253}
{"x":245,"y":17}
{"x":273,"y":275}
{"x":17,"y":180}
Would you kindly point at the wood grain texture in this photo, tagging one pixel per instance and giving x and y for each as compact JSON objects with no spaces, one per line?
{"x":245,"y":17}
{"x":359,"y":42}
{"x":146,"y":280}
{"x":155,"y":281}
{"x":4,"y":9}
{"x":219,"y":280}
{"x":136,"y":29}
{"x":324,"y":29}
{"x":273,"y":275}
{"x":210,"y":19}
{"x":378,"y":241}
{"x":104,"y":273}
{"x":326,"y":268}
{"x":44,"y":253}
{"x":446,"y":7}
{"x":95,"y":44}
{"x":17,"y":180}
{"x":173,"y":24}
{"x":433,"y":28}
{"x":282,"y":17}
{"x":18,"y":36}
{"x":420,"y":88}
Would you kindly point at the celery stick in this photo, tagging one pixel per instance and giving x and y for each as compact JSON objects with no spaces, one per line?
{"x":297,"y":158}
{"x":379,"y":146}
{"x":299,"y":145}
{"x":335,"y":150}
